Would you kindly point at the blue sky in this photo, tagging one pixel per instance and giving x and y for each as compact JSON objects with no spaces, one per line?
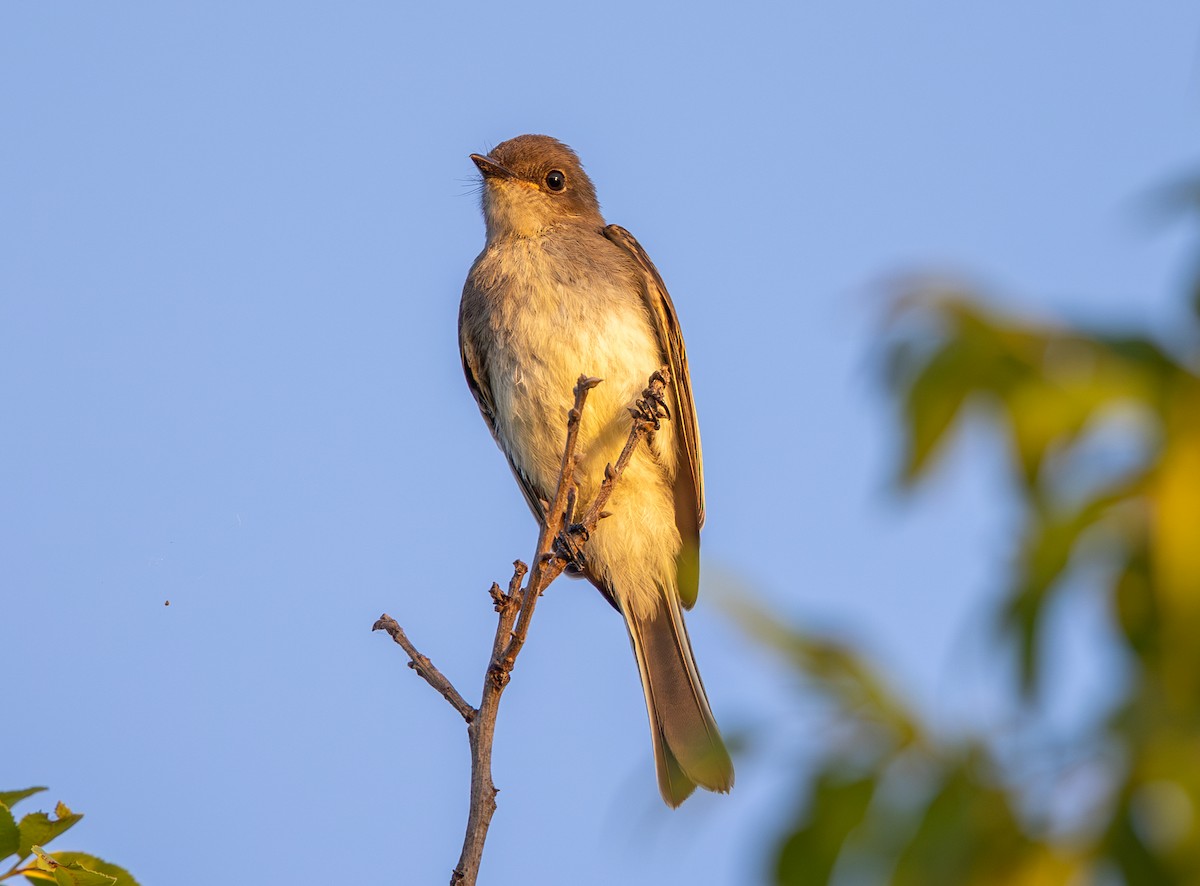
{"x":232,"y":242}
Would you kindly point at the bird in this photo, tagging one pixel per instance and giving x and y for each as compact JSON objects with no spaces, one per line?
{"x":556,"y":293}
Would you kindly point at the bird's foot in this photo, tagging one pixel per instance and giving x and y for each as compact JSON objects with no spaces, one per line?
{"x":652,"y":407}
{"x":568,"y":545}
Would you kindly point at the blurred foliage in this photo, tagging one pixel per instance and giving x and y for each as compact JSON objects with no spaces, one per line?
{"x":22,"y":843}
{"x":1104,"y":435}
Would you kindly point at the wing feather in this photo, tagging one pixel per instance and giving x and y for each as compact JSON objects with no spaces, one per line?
{"x":689,"y":478}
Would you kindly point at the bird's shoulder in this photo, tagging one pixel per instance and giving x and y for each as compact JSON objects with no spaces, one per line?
{"x":634,"y":255}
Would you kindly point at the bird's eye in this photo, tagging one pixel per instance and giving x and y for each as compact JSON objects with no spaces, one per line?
{"x":555,"y":180}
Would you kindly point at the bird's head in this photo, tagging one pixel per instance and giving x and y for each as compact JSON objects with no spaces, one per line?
{"x":532,"y":183}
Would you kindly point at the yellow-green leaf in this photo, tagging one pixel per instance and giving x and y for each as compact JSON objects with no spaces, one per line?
{"x":38,"y":828}
{"x":99,"y":865}
{"x":835,"y":807}
{"x":932,"y":403}
{"x":70,"y":873}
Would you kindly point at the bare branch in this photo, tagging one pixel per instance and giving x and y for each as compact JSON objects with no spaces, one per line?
{"x":425,"y":668}
{"x":546,"y":567}
{"x":559,"y":541}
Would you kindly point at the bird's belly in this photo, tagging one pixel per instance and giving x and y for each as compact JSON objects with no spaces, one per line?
{"x":540,"y":349}
{"x":544,"y":356}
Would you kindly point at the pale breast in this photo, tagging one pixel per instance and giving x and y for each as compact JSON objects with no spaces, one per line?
{"x":552,"y":321}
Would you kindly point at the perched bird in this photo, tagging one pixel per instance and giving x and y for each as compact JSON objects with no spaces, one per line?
{"x":556,"y":293}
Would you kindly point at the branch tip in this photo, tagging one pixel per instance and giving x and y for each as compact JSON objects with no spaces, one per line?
{"x":385,"y":623}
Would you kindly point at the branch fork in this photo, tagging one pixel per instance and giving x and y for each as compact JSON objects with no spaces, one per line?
{"x":560,"y":546}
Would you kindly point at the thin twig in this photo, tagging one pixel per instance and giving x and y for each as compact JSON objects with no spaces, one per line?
{"x":645,"y":419}
{"x":425,"y":668}
{"x":546,"y":567}
{"x":557,"y":539}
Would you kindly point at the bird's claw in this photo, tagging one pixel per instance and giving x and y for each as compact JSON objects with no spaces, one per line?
{"x":652,"y":407}
{"x":568,"y":545}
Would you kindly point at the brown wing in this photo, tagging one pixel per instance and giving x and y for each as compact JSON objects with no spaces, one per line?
{"x":689,"y":478}
{"x":472,"y":347}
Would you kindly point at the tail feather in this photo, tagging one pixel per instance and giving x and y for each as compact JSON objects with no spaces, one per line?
{"x":688,"y":750}
{"x":673,"y":784}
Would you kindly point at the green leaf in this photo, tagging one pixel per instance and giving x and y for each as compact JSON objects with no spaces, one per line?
{"x":1141,"y":354}
{"x":117,"y":875}
{"x":968,"y":834}
{"x":10,"y":834}
{"x":1051,"y":538}
{"x":68,"y":873}
{"x":836,"y":807}
{"x":1138,"y":862}
{"x":932,"y":403}
{"x":11,"y":798}
{"x":1138,"y":613}
{"x":1066,"y":384}
{"x":38,"y":828}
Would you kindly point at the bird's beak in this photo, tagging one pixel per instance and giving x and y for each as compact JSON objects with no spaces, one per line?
{"x":490,"y":168}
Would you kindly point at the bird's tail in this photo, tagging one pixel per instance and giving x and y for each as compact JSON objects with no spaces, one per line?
{"x":688,"y":749}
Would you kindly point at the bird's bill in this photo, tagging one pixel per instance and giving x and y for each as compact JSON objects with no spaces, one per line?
{"x":490,"y":168}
